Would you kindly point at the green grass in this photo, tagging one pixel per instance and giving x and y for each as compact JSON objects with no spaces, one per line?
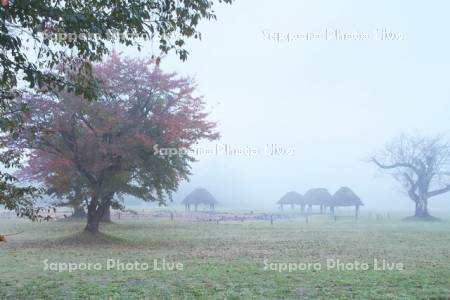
{"x":226,"y":261}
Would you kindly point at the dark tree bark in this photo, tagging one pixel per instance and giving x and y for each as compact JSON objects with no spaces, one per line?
{"x":96,"y":209}
{"x":93,"y":218}
{"x":107,"y":215}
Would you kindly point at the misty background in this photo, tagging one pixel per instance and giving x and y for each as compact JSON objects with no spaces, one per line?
{"x":333,"y":102}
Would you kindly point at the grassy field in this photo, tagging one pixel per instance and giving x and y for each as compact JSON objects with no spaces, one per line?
{"x":228,"y":261}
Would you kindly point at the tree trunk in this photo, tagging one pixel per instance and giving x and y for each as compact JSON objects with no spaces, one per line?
{"x":107,"y":215}
{"x":422,"y":208}
{"x":95,"y":214}
{"x":93,"y":219}
{"x":79,"y":212}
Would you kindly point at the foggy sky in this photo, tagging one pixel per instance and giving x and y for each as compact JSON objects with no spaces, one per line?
{"x":334,"y":102}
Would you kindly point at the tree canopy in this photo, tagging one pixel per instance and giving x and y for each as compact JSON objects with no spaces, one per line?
{"x":110,"y":143}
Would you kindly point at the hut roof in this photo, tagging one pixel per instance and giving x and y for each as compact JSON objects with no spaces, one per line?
{"x":291,"y":198}
{"x":346,"y":197}
{"x":199,"y":196}
{"x":318,"y":196}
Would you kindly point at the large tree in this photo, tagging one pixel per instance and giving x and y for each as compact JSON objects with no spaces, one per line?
{"x":421,"y":165}
{"x":112,"y":143}
{"x":38,"y":37}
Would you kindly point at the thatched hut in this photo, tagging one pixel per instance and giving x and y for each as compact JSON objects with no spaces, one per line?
{"x":198,"y":197}
{"x":292,"y":199}
{"x":318,"y":196}
{"x":346,"y":197}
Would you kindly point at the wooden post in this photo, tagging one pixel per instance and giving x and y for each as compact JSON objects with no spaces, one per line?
{"x":171,"y":216}
{"x":321,"y":209}
{"x":271,"y":219}
{"x":356,"y":212}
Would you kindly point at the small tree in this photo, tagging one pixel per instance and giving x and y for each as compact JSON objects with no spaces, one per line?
{"x":421,"y":165}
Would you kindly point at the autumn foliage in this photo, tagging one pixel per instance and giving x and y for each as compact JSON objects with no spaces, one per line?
{"x":106,"y":147}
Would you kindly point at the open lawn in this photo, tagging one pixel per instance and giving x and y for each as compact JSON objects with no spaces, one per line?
{"x":230,"y":260}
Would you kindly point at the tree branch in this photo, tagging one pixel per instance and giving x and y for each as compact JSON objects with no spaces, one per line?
{"x":439,"y":192}
{"x":395,"y":166}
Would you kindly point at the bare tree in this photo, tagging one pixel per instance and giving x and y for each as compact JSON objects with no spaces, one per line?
{"x":421,"y":165}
